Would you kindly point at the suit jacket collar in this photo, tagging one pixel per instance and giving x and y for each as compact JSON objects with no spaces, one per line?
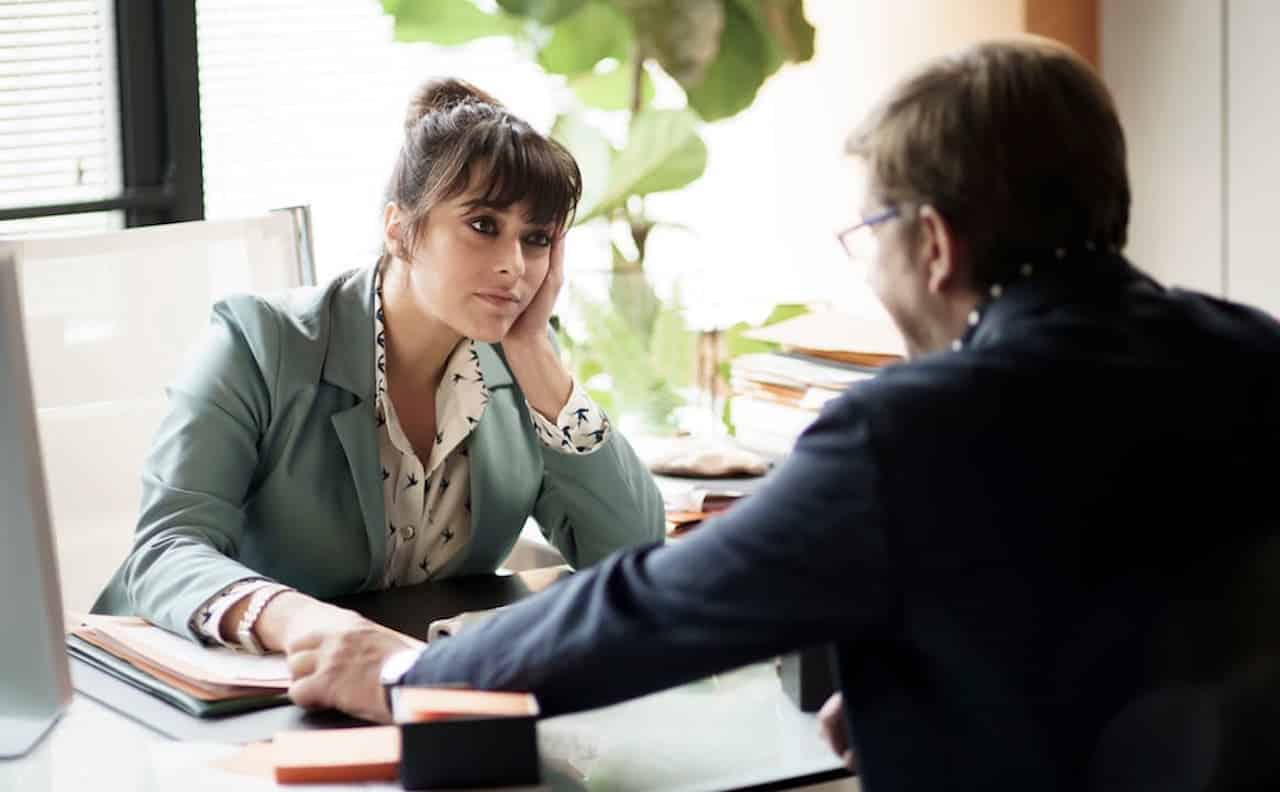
{"x":1053,"y":286}
{"x":348,"y":361}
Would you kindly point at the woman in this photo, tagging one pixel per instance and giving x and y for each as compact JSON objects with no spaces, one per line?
{"x":374,"y":432}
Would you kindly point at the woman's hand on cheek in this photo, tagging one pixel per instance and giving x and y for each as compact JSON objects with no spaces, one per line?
{"x":532,"y":322}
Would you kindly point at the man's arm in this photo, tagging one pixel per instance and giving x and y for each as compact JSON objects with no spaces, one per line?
{"x":801,"y":562}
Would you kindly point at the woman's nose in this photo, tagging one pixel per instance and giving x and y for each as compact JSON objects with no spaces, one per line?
{"x":511,"y":259}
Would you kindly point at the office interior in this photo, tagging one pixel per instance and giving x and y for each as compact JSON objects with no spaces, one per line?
{"x":270,"y":127}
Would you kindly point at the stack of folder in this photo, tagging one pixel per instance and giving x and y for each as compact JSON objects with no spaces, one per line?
{"x":776,"y":395}
{"x":202,"y":681}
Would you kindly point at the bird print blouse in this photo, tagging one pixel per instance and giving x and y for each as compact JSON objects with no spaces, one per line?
{"x":428,"y":501}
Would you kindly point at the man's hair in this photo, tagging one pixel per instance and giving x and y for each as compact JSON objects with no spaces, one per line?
{"x":1016,"y":143}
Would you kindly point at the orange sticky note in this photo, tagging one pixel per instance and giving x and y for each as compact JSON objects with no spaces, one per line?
{"x":370,"y":753}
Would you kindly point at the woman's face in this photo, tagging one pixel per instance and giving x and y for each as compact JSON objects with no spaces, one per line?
{"x":474,"y":267}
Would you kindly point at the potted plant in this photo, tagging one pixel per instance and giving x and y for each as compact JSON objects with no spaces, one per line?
{"x":637,"y":356}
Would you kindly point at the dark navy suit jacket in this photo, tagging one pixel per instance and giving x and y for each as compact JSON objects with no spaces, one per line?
{"x":1044,"y":560}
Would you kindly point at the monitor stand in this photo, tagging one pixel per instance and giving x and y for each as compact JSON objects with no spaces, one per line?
{"x":19,"y":734}
{"x":35,"y":686}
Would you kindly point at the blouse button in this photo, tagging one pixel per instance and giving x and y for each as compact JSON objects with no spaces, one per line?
{"x":407,"y":532}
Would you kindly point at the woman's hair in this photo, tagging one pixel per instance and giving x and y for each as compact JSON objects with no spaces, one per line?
{"x":454,"y":131}
{"x":1016,"y":143}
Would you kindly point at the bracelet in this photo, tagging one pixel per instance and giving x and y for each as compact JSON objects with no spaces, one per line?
{"x":257,"y":602}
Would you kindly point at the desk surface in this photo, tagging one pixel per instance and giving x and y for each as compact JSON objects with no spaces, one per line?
{"x":729,"y":731}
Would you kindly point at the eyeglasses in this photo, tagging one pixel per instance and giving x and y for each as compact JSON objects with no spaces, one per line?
{"x":859,"y":241}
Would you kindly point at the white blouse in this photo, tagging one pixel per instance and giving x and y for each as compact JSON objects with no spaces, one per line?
{"x":428,"y":502}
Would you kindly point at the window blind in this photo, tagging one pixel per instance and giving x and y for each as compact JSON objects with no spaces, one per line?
{"x":59,"y":138}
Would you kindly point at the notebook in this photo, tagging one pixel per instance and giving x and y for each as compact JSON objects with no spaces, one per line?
{"x":202,"y":681}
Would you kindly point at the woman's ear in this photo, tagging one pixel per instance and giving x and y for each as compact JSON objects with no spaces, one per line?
{"x":393,"y":229}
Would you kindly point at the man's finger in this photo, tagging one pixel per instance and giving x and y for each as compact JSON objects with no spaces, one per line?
{"x":310,"y":693}
{"x":302,"y":664}
{"x":306,"y":642}
{"x":831,"y":724}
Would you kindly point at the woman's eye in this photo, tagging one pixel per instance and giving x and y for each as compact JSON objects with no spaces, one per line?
{"x":484,"y":225}
{"x":539,"y":238}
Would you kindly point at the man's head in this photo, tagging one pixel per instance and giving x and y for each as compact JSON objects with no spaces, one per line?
{"x":1003,"y":151}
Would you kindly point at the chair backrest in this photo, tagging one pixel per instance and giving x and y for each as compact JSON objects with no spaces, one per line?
{"x":110,"y":319}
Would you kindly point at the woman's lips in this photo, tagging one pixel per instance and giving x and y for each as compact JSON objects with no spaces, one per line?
{"x":502,"y":300}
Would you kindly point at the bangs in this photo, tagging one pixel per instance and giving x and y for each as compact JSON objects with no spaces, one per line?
{"x":517,"y":165}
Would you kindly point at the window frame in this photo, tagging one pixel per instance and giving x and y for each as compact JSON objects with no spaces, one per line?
{"x":159,"y":116}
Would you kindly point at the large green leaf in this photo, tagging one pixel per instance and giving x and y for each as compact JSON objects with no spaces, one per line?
{"x":548,"y":12}
{"x":595,"y":32}
{"x":792,"y":33}
{"x":634,"y":299}
{"x":592,"y":151}
{"x":740,"y":67}
{"x":683,"y":35}
{"x":640,"y":389}
{"x":673,"y":348}
{"x":448,"y":22}
{"x":664,"y":152}
{"x":611,"y":90}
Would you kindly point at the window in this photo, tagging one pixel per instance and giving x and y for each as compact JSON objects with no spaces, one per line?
{"x":59,"y":131}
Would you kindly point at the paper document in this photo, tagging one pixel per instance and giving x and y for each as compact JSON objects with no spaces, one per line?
{"x":830,"y":331}
{"x":210,"y":665}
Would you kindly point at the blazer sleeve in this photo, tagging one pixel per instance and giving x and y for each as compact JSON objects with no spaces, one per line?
{"x":197,"y":473}
{"x":590,"y":505}
{"x":803,"y":561}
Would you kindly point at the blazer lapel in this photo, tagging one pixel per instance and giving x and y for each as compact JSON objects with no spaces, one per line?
{"x":505,"y":468}
{"x":349,"y":364}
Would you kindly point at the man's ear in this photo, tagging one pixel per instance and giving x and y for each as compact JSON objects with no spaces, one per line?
{"x":939,"y":250}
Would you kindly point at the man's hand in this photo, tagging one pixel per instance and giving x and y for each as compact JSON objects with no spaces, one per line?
{"x":832,"y":728}
{"x":341,"y":670}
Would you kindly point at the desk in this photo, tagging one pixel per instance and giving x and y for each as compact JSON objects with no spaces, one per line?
{"x":730,"y":731}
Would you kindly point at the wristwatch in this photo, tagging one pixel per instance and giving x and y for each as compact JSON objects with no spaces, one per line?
{"x":394,"y":669}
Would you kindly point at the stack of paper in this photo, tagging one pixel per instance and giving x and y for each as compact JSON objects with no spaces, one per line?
{"x":200,"y":680}
{"x":777,"y":395}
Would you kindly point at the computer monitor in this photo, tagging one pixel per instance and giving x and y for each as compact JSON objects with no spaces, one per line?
{"x":35,"y":686}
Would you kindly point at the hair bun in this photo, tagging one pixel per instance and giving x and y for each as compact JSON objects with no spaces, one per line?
{"x":442,"y":93}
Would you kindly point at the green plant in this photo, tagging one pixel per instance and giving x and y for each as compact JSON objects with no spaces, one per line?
{"x":608,"y":52}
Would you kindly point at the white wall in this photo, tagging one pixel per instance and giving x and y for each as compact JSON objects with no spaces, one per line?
{"x":1194,"y":81}
{"x":1162,"y":60}
{"x":1253,"y":152}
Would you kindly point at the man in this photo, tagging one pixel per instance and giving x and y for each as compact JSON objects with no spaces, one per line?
{"x":1038,"y":547}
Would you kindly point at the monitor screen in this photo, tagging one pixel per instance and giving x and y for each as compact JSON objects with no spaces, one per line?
{"x":34,"y":682}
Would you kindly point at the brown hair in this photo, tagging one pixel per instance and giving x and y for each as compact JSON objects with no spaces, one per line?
{"x":1016,"y":143}
{"x":450,"y":127}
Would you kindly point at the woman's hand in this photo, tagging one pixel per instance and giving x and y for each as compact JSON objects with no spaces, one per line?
{"x":530,"y":354}
{"x":532,"y":322}
{"x":291,"y":615}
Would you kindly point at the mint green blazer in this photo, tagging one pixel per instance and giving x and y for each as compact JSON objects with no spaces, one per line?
{"x":267,"y":465}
